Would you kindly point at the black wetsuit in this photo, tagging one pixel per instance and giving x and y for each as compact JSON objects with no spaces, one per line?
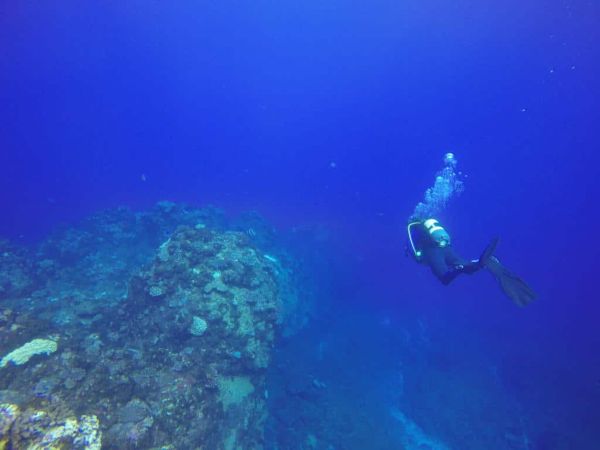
{"x":445,"y":264}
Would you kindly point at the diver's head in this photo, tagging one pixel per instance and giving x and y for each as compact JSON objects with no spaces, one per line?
{"x":437,"y":232}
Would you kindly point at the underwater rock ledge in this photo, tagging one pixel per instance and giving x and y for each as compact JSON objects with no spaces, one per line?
{"x":176,"y":357}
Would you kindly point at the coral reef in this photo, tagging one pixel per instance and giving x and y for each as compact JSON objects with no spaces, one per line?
{"x":17,"y":273}
{"x":166,"y":321}
{"x":27,"y":351}
{"x":39,"y":430}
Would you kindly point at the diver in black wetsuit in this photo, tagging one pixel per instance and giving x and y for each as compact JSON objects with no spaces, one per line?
{"x":430,"y":244}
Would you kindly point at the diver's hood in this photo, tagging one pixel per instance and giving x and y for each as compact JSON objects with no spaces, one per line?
{"x":437,"y":233}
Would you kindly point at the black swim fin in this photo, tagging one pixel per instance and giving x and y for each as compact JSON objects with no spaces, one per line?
{"x":488,"y":252}
{"x":513,"y":286}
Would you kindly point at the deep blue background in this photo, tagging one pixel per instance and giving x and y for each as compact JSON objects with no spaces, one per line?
{"x":246,"y":105}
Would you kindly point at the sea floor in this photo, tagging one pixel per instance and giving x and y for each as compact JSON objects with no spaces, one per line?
{"x":358,"y":380}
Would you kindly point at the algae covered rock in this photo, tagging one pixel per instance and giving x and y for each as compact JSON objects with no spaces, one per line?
{"x":217,"y":285}
{"x":214,"y":324}
{"x":134,"y":421}
{"x":165,"y":332}
{"x":38,"y":429}
{"x":17,"y":274}
{"x":199,"y":326}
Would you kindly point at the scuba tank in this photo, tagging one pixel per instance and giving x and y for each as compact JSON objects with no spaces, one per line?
{"x":434,"y":231}
{"x":437,"y":233}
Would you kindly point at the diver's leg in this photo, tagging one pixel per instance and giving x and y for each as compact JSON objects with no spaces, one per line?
{"x":450,"y":275}
{"x":437,"y":260}
{"x":460,"y":264}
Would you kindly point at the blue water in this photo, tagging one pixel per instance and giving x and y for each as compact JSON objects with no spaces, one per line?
{"x":335,"y":116}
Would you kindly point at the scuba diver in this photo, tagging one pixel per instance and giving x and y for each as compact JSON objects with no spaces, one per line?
{"x":430,"y":244}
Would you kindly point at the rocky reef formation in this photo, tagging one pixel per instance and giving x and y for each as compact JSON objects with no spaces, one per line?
{"x":17,"y":276}
{"x":150,"y":329}
{"x":206,"y":311}
{"x":35,"y":430}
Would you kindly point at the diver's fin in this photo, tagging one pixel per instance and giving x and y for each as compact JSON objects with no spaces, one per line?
{"x":488,"y":252}
{"x":514,"y":287}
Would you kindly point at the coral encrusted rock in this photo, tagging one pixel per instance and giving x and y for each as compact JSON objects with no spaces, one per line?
{"x":205,"y":341}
